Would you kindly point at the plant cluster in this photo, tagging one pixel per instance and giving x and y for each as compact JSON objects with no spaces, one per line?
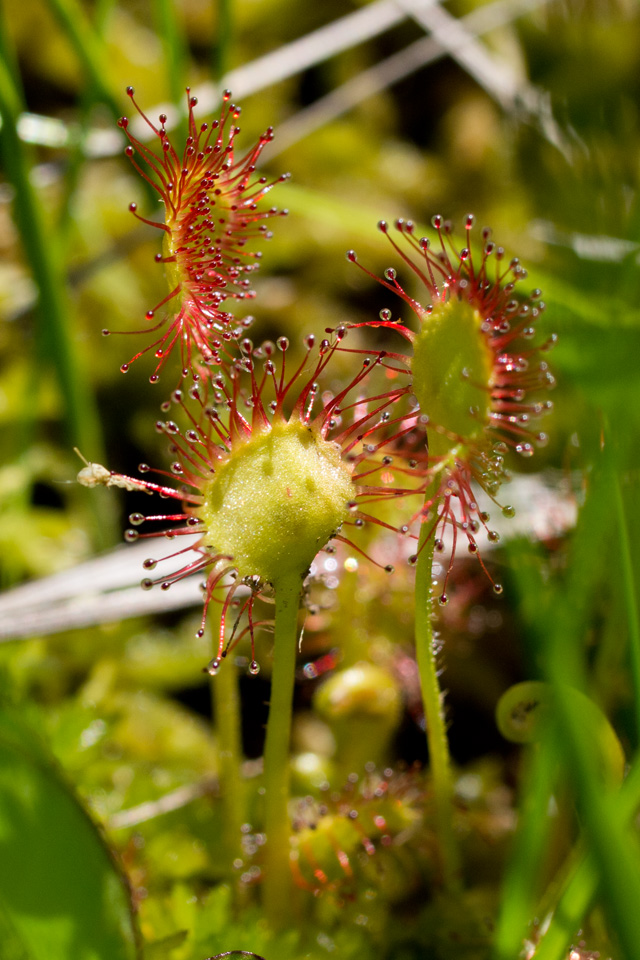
{"x":330,"y":555}
{"x":280,"y":457}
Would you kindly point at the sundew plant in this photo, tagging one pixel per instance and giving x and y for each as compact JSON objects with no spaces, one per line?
{"x":332,"y":316}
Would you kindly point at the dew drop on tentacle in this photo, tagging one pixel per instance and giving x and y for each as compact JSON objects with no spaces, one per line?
{"x":254,"y":668}
{"x":524,"y":449}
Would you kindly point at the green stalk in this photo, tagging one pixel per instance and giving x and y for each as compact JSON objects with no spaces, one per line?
{"x":226,"y":713}
{"x":432,"y":699}
{"x":278,"y":888}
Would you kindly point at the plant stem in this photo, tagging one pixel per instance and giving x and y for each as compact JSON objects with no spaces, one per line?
{"x":226,"y":710}
{"x":439,"y":759}
{"x":277,"y":871}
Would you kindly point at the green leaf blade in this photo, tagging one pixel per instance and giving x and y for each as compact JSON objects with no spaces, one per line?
{"x":61,"y":894}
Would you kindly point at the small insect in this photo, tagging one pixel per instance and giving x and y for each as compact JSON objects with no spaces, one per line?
{"x":95,"y":475}
{"x":235,"y":953}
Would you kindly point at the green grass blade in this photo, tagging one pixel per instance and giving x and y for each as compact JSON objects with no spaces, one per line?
{"x":55,"y":344}
{"x":558,"y":613}
{"x":222,"y":46}
{"x":54,"y":331}
{"x":88,"y":47}
{"x":521,"y":880}
{"x":630,"y":600}
{"x":175,"y":48}
{"x":581,"y":885}
{"x":614,"y":849}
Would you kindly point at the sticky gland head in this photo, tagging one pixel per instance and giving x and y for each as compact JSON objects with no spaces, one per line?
{"x":276,"y":501}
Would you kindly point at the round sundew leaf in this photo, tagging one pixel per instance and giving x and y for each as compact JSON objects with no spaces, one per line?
{"x":276,"y":501}
{"x":61,"y":893}
{"x":451,"y":369}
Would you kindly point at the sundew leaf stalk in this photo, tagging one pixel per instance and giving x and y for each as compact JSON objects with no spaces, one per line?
{"x":472,"y":369}
{"x":272,"y":471}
